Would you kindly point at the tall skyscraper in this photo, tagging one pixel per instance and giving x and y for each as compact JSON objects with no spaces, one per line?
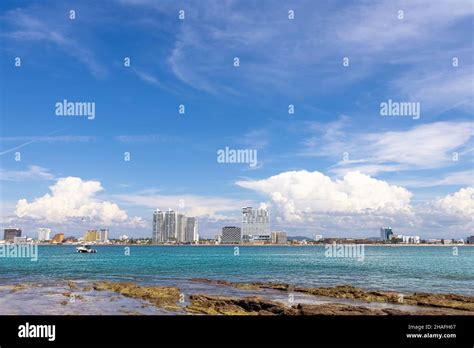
{"x":191,"y":230}
{"x":386,"y":233}
{"x":256,"y":223}
{"x":170,"y":226}
{"x":104,"y":235}
{"x":181,"y":228}
{"x":44,"y":234}
{"x":158,"y":227}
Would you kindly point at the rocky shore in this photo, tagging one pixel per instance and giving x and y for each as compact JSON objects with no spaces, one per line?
{"x":450,"y":301}
{"x":167,"y":297}
{"x":212,"y":305}
{"x":258,"y":298}
{"x":164,"y":297}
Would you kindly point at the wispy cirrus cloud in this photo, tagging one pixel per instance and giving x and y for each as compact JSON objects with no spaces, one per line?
{"x":30,"y":26}
{"x":446,"y":89}
{"x":424,"y":146}
{"x":28,"y":140}
{"x":32,"y":173}
{"x":148,"y":139}
{"x":277,"y":53}
{"x":50,"y":138}
{"x":465,"y":177}
{"x":376,"y":26}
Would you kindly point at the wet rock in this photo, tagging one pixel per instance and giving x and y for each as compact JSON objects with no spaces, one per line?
{"x":211,"y":305}
{"x":72,"y":285}
{"x":351,"y":292}
{"x":449,"y":301}
{"x":453,"y":301}
{"x":165,"y":297}
{"x":343,"y":309}
{"x":14,"y":288}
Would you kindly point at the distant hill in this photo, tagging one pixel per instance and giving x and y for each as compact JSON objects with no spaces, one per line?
{"x":373,"y":238}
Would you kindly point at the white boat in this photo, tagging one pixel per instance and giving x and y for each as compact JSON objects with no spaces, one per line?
{"x":85,"y":249}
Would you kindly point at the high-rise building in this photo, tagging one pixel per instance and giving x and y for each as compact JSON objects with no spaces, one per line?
{"x":279,"y":238}
{"x":10,"y":233}
{"x":386,"y":233}
{"x":256,"y":223}
{"x":91,"y":236}
{"x":231,"y":235}
{"x":44,"y":234}
{"x":170,"y":226}
{"x":191,"y":231}
{"x":470,"y":240}
{"x":158,"y":227}
{"x":317,"y":237}
{"x":104,"y":235}
{"x":181,"y":228}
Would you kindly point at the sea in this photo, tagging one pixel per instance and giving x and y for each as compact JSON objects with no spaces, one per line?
{"x":406,"y":269}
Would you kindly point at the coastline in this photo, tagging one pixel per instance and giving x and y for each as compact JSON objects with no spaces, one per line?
{"x":219,"y":297}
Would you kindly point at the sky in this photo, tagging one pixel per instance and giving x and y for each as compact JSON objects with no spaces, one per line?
{"x":299,"y":84}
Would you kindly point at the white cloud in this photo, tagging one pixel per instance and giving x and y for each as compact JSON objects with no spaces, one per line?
{"x":51,"y":138}
{"x":375,"y":25}
{"x":33,"y":173}
{"x":148,"y":139}
{"x":43,"y":139}
{"x":424,"y":146}
{"x":443,"y":90}
{"x":73,"y":198}
{"x":460,"y":203}
{"x":465,"y":177}
{"x":451,"y":215}
{"x":278,"y":54}
{"x":33,"y":27}
{"x":427,"y":145}
{"x":297,"y":195}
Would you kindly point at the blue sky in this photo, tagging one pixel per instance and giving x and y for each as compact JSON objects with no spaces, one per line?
{"x":334,"y":167}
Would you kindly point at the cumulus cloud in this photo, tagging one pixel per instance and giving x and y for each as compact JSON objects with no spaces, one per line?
{"x":297,"y":195}
{"x":73,"y":198}
{"x":449,"y":215}
{"x":460,"y":203}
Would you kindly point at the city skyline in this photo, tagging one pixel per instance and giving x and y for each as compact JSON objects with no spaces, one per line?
{"x":171,"y":226}
{"x":336,"y":126}
{"x":170,"y":232}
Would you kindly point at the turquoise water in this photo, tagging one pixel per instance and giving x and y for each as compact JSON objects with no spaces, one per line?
{"x":405,"y":269}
